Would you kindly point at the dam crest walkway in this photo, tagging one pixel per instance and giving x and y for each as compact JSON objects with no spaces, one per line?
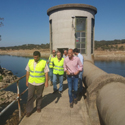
{"x":56,"y":110}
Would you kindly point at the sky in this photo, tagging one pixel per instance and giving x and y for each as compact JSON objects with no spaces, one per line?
{"x":27,"y":22}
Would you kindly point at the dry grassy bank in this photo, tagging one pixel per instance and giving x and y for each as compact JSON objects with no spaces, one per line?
{"x":26,"y":53}
{"x":109,"y":55}
{"x":98,"y":55}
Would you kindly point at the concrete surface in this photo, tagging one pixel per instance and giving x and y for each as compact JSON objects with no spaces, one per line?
{"x":111,"y":104}
{"x":62,"y":34}
{"x":99,"y":99}
{"x":56,"y":110}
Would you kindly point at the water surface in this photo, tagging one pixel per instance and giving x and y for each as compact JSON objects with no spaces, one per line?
{"x":17,"y":66}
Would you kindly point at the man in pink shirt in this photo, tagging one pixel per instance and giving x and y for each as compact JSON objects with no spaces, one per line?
{"x":72,"y":67}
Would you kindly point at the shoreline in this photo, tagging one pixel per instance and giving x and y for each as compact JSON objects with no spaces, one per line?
{"x":98,"y":55}
{"x":109,"y":55}
{"x":25,"y":53}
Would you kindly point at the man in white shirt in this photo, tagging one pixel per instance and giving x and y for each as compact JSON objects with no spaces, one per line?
{"x":36,"y":77}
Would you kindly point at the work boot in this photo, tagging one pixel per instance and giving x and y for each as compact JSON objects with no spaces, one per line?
{"x":71,"y":105}
{"x":38,"y":110}
{"x":55,"y":91}
{"x":28,"y":114}
{"x":75,"y":101}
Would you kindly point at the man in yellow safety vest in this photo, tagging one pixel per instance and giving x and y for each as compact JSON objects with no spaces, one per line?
{"x":58,"y":72}
{"x":36,"y":77}
{"x":53,"y":55}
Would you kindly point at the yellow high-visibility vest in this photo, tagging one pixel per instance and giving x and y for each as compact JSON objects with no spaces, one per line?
{"x":37,"y":75}
{"x":58,"y":66}
{"x":50,"y":61}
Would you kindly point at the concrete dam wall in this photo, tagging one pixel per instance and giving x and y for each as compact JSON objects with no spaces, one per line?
{"x":105,"y":96}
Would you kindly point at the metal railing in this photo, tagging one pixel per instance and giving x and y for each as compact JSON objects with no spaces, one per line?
{"x":18,"y":97}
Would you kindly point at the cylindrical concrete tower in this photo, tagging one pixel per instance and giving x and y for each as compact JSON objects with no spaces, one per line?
{"x":72,"y":26}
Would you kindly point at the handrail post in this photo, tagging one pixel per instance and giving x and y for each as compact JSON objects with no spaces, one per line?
{"x":18,"y":95}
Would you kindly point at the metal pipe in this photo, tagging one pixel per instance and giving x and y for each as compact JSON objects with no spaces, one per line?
{"x":24,"y":91}
{"x":12,"y":102}
{"x":8,"y":106}
{"x":18,"y":95}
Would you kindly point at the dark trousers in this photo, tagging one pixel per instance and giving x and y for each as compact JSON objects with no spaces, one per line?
{"x":73,"y":86}
{"x":34,"y":92}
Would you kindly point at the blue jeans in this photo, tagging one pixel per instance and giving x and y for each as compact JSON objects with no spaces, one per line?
{"x":73,"y":86}
{"x":55,"y":82}
{"x":80,"y":81}
{"x":51,"y":74}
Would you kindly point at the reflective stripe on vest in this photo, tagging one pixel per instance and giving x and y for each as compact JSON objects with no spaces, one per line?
{"x":37,"y":75}
{"x":51,"y":61}
{"x":58,"y":66}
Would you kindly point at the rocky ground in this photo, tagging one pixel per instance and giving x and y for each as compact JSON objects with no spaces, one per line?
{"x":6,"y":77}
{"x":7,"y":97}
{"x":14,"y":118}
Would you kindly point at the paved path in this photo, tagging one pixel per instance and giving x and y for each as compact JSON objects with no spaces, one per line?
{"x":56,"y":110}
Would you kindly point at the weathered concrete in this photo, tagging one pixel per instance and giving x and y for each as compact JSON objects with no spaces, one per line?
{"x":63,"y":26}
{"x":111,"y":104}
{"x":56,"y":110}
{"x":96,"y":79}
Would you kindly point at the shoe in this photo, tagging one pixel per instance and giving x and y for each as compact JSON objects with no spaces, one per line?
{"x":80,"y":94}
{"x":60,"y":92}
{"x":71,"y":105}
{"x":75,"y":101}
{"x":28,"y":114}
{"x":55,"y":91}
{"x":38,"y":110}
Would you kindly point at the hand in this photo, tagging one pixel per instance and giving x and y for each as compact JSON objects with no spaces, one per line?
{"x":76,"y":73}
{"x":46,"y":84}
{"x":27,"y":84}
{"x":67,"y":72}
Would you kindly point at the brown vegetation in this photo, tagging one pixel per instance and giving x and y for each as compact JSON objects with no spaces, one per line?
{"x":26,"y":53}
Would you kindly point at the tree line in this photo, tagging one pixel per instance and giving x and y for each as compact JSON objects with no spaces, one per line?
{"x":27,"y":46}
{"x":99,"y":45}
{"x":110,"y":45}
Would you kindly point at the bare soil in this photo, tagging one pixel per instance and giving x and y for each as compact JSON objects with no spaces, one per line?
{"x":109,"y":55}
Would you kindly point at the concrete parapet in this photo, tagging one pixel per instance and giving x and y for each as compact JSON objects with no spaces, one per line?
{"x":96,"y":79}
{"x":111,"y":104}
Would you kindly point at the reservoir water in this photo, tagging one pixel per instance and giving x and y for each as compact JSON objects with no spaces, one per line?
{"x":17,"y":66}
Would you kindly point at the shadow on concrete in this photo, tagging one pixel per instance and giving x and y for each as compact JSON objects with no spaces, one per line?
{"x":83,"y":94}
{"x":49,"y":98}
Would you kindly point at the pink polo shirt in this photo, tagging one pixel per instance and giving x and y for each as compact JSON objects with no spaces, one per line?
{"x":73,"y":65}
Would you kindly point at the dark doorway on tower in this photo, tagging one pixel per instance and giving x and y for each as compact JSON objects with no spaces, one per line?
{"x":62,"y":50}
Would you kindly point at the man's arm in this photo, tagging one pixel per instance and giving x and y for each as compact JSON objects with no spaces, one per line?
{"x":65,"y":69}
{"x":80,"y":67}
{"x":46,"y":82}
{"x":46,"y":70}
{"x":27,"y":77}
